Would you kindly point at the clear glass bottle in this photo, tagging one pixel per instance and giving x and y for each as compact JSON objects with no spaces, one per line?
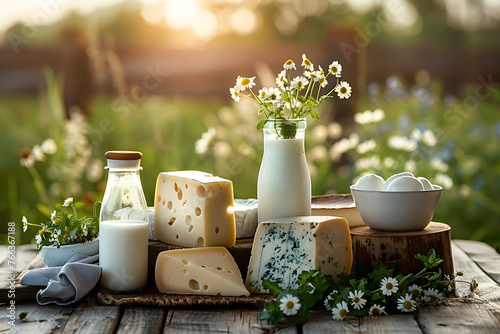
{"x":284,"y":183}
{"x":123,"y":226}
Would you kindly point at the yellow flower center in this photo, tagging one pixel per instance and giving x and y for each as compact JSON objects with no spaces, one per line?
{"x":343,"y":90}
{"x":355,"y":300}
{"x":343,"y":312}
{"x":312,"y":75}
{"x":245,"y":81}
{"x":389,"y":285}
{"x":41,"y":232}
{"x":407,"y":304}
{"x":376,"y":311}
{"x":289,"y":62}
{"x":307,"y":62}
{"x":290,"y":305}
{"x":333,"y":69}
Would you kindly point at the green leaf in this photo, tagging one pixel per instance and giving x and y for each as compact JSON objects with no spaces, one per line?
{"x":273,"y":287}
{"x":314,"y":115}
{"x":261,"y":124}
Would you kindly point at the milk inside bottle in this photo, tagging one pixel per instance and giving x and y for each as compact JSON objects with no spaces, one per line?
{"x":123,"y":226}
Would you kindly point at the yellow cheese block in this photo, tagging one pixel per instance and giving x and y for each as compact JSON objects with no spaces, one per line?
{"x":285,"y":247}
{"x":194,"y":209}
{"x":199,"y":271}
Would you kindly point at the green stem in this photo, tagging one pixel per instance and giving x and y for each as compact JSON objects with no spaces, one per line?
{"x":39,"y":184}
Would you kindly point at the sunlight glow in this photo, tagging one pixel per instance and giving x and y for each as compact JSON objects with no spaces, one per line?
{"x":243,"y":21}
{"x":205,"y":24}
{"x":181,"y":13}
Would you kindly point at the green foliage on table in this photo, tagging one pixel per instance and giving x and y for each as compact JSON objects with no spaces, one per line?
{"x":359,"y":293}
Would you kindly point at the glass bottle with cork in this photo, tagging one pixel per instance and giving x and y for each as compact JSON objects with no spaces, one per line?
{"x":123,"y":227}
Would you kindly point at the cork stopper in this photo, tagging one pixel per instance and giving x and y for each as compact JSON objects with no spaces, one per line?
{"x":123,"y":159}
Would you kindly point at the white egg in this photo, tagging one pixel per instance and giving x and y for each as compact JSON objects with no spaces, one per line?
{"x":427,"y":185}
{"x":405,"y":183}
{"x":395,"y":176}
{"x":370,"y":182}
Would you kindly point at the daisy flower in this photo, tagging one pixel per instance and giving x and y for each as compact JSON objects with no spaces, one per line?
{"x":389,"y":286}
{"x":26,"y":158}
{"x":299,"y":82}
{"x":68,"y":201}
{"x":406,"y":304}
{"x":307,"y":63}
{"x":377,"y":310}
{"x":38,"y":239}
{"x":289,"y":64}
{"x":433,"y":293}
{"x":274,"y":95}
{"x":289,"y":305}
{"x":343,"y":90}
{"x":281,"y":80}
{"x":243,"y":83}
{"x":328,"y":299}
{"x":357,"y":301}
{"x":49,"y":146}
{"x":340,"y":311}
{"x":53,"y":216}
{"x":235,"y":94}
{"x":263,"y":93}
{"x":335,"y":68}
{"x":312,"y":75}
{"x":414,"y":290}
{"x":25,"y":224}
{"x":207,"y":139}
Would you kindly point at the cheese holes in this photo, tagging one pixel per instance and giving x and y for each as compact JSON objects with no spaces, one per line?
{"x":190,"y":228}
{"x":220,"y":268}
{"x":172,"y":221}
{"x":158,"y":198}
{"x":185,"y":262}
{"x":204,"y":266}
{"x":217,"y":230}
{"x":229,"y":272}
{"x":179,"y":194}
{"x":201,"y":191}
{"x":169,"y":205}
{"x":163,"y":203}
{"x":176,"y":187}
{"x":188,"y":220}
{"x":186,"y":186}
{"x":200,"y":242}
{"x":205,"y":287}
{"x":177,"y":236}
{"x":185,"y":271}
{"x":184,"y":203}
{"x":194,"y":285}
{"x":197,"y":211}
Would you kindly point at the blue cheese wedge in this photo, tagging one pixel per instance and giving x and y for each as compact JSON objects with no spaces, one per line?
{"x":285,"y":247}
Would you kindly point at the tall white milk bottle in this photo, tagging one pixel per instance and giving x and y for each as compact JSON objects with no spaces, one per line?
{"x":123,"y":226}
{"x":284,"y":183}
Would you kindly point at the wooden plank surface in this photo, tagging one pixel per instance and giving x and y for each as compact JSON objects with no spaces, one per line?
{"x":142,"y":320}
{"x":180,"y":321}
{"x":478,"y":312}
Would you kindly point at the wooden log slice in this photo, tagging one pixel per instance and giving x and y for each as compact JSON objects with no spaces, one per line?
{"x":372,"y":247}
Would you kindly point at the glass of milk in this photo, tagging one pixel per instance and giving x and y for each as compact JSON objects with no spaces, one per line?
{"x":123,"y":226}
{"x":284,"y":183}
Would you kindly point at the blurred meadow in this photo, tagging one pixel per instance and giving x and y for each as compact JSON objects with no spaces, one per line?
{"x":78,"y":79}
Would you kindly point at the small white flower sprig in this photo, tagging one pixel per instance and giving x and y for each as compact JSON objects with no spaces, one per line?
{"x":65,"y":229}
{"x":374,"y":291}
{"x":294,"y":97}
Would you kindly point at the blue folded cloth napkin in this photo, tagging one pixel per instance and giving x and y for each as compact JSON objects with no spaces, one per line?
{"x":63,"y":285}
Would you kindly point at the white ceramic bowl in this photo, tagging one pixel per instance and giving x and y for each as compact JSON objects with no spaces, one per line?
{"x":53,"y":256}
{"x":393,"y":211}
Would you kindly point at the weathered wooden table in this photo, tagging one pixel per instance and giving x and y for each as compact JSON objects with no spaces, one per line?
{"x":468,"y":313}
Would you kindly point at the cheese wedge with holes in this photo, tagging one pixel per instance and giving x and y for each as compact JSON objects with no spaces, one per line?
{"x":194,"y":209}
{"x":199,"y":271}
{"x":285,"y":247}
